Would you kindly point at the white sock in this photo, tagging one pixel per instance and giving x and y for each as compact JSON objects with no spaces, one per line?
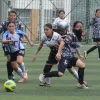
{"x":22,"y":66}
{"x":75,"y":74}
{"x":19,"y":72}
{"x":48,"y":80}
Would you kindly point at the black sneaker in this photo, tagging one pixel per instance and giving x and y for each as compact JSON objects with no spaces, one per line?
{"x":11,"y":77}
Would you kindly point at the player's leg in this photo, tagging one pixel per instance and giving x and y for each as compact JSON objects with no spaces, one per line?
{"x":15,"y":65}
{"x":98,"y":45}
{"x":8,"y":64}
{"x":48,"y":66}
{"x":59,"y":73}
{"x":89,"y":51}
{"x":73,"y":72}
{"x":9,"y":68}
{"x":93,"y":48}
{"x":20,"y":57}
{"x":81,"y":68}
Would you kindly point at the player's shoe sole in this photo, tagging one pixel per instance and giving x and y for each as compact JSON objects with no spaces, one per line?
{"x":44,"y":84}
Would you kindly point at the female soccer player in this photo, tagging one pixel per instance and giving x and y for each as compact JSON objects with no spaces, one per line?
{"x":52,"y":40}
{"x":61,"y":20}
{"x":67,"y":59}
{"x":12,"y":39}
{"x":96,"y":33}
{"x":77,"y":29}
{"x":3,"y":28}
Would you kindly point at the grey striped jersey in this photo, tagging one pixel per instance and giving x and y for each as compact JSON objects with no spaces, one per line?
{"x":96,"y":27}
{"x":70,"y":46}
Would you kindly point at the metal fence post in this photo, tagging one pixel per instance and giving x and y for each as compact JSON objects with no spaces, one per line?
{"x":87,"y":18}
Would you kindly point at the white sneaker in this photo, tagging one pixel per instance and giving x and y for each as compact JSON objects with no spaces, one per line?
{"x":21,"y":80}
{"x":42,"y":78}
{"x":25,"y":75}
{"x":82,"y":86}
{"x":85,"y":54}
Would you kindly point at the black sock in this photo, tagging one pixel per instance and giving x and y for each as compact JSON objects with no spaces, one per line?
{"x":81,"y":75}
{"x":9,"y":69}
{"x":52,"y":74}
{"x":99,"y":51}
{"x":47,"y":68}
{"x":91,"y":49}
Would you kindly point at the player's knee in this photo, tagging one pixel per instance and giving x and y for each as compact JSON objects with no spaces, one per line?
{"x":60,"y":74}
{"x":71,"y":70}
{"x":82,"y":65}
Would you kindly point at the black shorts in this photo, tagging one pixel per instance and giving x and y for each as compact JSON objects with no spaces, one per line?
{"x":66,"y":63}
{"x":96,"y":39}
{"x":13,"y":56}
{"x":6,"y":52}
{"x":52,"y":57}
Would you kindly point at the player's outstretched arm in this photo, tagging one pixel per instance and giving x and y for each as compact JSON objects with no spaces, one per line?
{"x":38,"y":49}
{"x":31,"y":43}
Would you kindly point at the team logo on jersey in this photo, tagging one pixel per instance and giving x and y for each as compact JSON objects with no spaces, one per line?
{"x":65,"y":62}
{"x":8,"y":38}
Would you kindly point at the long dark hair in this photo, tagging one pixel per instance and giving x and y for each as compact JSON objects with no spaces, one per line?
{"x":75,"y":23}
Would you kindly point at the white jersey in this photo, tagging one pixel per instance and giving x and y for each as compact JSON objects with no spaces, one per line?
{"x":22,"y":46}
{"x":13,"y":46}
{"x":53,"y":41}
{"x":60,"y":22}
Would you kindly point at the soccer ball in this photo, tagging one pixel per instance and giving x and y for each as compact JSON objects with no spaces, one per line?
{"x":10,"y":86}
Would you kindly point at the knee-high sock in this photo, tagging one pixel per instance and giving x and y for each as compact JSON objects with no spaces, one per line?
{"x":9,"y":69}
{"x":81,"y":75}
{"x":19,"y":72}
{"x":22,"y":66}
{"x":99,"y":50}
{"x":47,"y":69}
{"x":75,"y":74}
{"x":91,"y":49}
{"x":52,"y":74}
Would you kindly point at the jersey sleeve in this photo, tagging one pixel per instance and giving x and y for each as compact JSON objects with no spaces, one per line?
{"x":19,"y":32}
{"x":43,"y":39}
{"x":4,"y":35}
{"x":59,"y":38}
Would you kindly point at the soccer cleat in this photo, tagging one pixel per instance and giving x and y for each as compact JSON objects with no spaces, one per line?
{"x":41,"y":84}
{"x":42,"y":78}
{"x":25,"y":76}
{"x":84,"y":82}
{"x":44,"y":84}
{"x":11,"y":77}
{"x":47,"y":85}
{"x":82,"y":86}
{"x":22,"y":80}
{"x":85,"y":54}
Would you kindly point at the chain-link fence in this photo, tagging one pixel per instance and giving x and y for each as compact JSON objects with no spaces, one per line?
{"x":33,"y":14}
